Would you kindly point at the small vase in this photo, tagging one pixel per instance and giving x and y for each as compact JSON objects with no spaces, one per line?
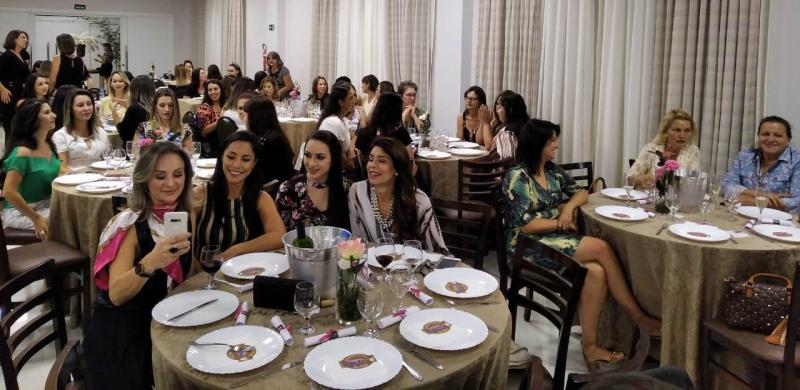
{"x":347,"y":296}
{"x":661,"y":204}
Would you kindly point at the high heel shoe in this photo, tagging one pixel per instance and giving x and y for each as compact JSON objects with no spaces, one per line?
{"x":601,"y":365}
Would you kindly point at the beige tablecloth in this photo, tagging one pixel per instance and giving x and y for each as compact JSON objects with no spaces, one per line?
{"x":186,"y":105}
{"x":77,"y":219}
{"x":481,"y":367}
{"x":297,"y":131}
{"x":677,"y":279}
{"x":440,"y":177}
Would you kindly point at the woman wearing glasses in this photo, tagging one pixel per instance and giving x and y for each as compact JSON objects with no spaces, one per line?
{"x":476,"y":118}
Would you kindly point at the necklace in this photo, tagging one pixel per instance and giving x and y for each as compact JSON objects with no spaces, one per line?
{"x":313,"y":184}
{"x":386,"y":223}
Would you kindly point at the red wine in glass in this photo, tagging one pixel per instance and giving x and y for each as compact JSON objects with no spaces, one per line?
{"x":384,"y":260}
{"x":211,"y":266}
{"x":211,"y":262}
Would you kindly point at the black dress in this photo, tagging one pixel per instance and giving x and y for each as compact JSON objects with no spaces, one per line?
{"x":13,"y":72}
{"x":117,"y":345}
{"x":72,"y":71}
{"x":275,"y":159}
{"x":134,"y":116}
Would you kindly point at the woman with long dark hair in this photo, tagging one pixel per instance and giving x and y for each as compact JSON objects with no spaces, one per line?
{"x":59,"y":99}
{"x":29,"y":166}
{"x":81,"y":141}
{"x":275,"y":154}
{"x":388,"y":204}
{"x":234,"y":212}
{"x":476,"y":118}
{"x":386,"y":121}
{"x":319,"y":93}
{"x":140,"y":106}
{"x":511,"y":114}
{"x":68,"y":67}
{"x":36,"y":87}
{"x":13,"y":71}
{"x":210,"y":111}
{"x":198,"y":85}
{"x":340,"y":103}
{"x":533,"y":192}
{"x":279,"y":75}
{"x":214,"y":73}
{"x":318,"y":195}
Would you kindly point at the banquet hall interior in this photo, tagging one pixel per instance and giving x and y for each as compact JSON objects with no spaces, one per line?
{"x":495,"y":194}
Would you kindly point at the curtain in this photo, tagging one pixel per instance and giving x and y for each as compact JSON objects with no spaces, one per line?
{"x":409,"y":45}
{"x":224,"y":32}
{"x":360,"y":50}
{"x":324,"y":38}
{"x":509,"y":48}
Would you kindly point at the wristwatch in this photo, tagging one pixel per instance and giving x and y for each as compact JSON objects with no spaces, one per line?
{"x":139,"y":270}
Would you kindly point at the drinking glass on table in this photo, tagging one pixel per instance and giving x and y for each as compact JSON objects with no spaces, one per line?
{"x":107,"y":155}
{"x":705,"y":207}
{"x":761,"y":203}
{"x":117,"y":159}
{"x":370,"y":305}
{"x":399,"y":279}
{"x":714,"y":187}
{"x":132,"y":151}
{"x":211,"y":262}
{"x":673,"y":201}
{"x":412,"y":255}
{"x":731,"y":200}
{"x":306,"y":303}
{"x":385,"y":254}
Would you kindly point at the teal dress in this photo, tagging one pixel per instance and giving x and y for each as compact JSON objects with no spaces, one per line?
{"x":526,"y":200}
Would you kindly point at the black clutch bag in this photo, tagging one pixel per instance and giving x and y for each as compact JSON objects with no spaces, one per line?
{"x":274,"y":293}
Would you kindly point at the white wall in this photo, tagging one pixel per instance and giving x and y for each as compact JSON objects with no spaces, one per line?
{"x":782,"y":81}
{"x":259,"y":14}
{"x":452,"y":62}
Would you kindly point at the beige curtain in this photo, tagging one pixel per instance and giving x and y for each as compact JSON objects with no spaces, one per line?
{"x":509,"y":47}
{"x":323,"y":38}
{"x":224,"y":32}
{"x":409,"y":45}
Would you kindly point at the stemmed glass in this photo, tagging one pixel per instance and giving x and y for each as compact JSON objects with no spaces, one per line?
{"x":107,"y":151}
{"x":306,"y":303}
{"x":673,"y":201}
{"x":761,"y":203}
{"x":714,"y":187}
{"x":194,"y":154}
{"x":731,"y":200}
{"x":132,"y":151}
{"x":398,"y":281}
{"x":117,"y":158}
{"x":412,"y":254}
{"x":370,"y":305}
{"x":705,"y":207}
{"x":385,"y":254}
{"x":211,"y":262}
{"x":628,"y":187}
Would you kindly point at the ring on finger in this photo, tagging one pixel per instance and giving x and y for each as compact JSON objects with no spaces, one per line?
{"x":173,"y":249}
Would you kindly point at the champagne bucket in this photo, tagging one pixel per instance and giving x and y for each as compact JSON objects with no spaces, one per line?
{"x":318,"y":264}
{"x":692,"y":187}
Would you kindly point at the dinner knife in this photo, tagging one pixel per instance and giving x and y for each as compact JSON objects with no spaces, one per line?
{"x":200,"y":306}
{"x":427,"y":359}
{"x":412,"y":371}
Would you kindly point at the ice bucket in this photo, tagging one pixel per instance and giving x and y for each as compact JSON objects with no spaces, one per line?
{"x":692,"y":186}
{"x":317,"y":264}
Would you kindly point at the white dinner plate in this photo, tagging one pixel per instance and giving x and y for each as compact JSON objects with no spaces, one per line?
{"x":460,"y":282}
{"x":304,"y":119}
{"x":400,"y":263}
{"x":697,"y":232}
{"x":778,"y":232}
{"x":110,"y":129}
{"x":176,"y":304}
{"x":353,"y":363}
{"x":619,"y":194}
{"x":206,"y":162}
{"x":127,"y":189}
{"x":103,"y":165}
{"x":453,"y":139}
{"x":78,"y":178}
{"x":100,"y":187}
{"x":621,"y":213}
{"x":249,"y":265}
{"x":259,"y":347}
{"x":433,"y":154}
{"x":443,"y":329}
{"x":752,"y":212}
{"x":464,"y":145}
{"x":204,"y":173}
{"x":468,"y":152}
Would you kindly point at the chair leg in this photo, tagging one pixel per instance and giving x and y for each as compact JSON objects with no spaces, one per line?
{"x":528,"y":311}
{"x":705,"y":356}
{"x":86,"y":275}
{"x":512,"y":307}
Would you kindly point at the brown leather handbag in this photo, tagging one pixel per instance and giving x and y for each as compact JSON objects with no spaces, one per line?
{"x":756,"y":306}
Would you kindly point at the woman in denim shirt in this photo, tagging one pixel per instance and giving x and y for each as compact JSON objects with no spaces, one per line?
{"x":772,"y":168}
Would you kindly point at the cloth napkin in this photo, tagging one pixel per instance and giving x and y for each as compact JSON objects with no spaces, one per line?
{"x":396,"y":316}
{"x":417,"y":293}
{"x":281,"y":328}
{"x":329,"y":335}
{"x":241,"y":314}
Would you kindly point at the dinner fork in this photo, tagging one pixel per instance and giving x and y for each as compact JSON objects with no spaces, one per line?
{"x":236,"y":348}
{"x":664,"y":226}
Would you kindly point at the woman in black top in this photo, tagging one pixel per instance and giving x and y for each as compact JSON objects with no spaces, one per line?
{"x":139,"y":106}
{"x":106,"y":65}
{"x":476,"y":118}
{"x":275,"y":155}
{"x":386,"y":121}
{"x":13,"y":72}
{"x":214,"y":73}
{"x":198,"y":85}
{"x":68,"y":68}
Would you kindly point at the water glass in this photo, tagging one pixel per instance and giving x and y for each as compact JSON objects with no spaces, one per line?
{"x":370,"y":305}
{"x":673,"y":201}
{"x":412,"y":255}
{"x":705,"y":207}
{"x":731,"y":201}
{"x":211,"y":262}
{"x":399,"y":279}
{"x":117,"y":158}
{"x":761,"y":203}
{"x":306,"y":303}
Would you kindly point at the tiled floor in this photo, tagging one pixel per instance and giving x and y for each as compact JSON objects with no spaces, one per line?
{"x":538,"y":336}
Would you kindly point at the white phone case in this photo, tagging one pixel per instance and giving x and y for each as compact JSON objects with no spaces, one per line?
{"x":175,"y":222}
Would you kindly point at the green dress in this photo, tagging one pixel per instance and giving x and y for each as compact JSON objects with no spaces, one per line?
{"x":526,"y":200}
{"x":37,"y":175}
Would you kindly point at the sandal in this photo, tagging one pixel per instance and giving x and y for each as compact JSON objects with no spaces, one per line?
{"x":602,"y":365}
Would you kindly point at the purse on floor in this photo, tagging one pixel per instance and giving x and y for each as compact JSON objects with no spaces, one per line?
{"x":755,"y":305}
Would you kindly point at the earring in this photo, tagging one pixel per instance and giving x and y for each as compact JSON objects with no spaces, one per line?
{"x":396,"y":174}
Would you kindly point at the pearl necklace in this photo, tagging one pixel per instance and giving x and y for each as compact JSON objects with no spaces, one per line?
{"x":386,"y":223}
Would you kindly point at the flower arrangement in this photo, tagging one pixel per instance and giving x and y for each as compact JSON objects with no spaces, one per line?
{"x":352,"y":259}
{"x":295,"y":92}
{"x":665,"y":175}
{"x":87,"y":40}
{"x":153,"y":135}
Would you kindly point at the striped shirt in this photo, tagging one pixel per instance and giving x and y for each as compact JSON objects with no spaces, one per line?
{"x":229,"y":230}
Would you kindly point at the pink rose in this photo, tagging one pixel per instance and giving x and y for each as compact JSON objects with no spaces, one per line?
{"x":671,"y":165}
{"x":352,"y":249}
{"x":145,"y":141}
{"x":158,"y":132}
{"x":660,"y":171}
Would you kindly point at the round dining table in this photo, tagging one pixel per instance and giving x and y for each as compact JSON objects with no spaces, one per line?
{"x":440,"y":176}
{"x":678,"y":280}
{"x":481,"y":367}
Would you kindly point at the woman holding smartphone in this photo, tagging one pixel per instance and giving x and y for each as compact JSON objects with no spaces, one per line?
{"x":137,"y":263}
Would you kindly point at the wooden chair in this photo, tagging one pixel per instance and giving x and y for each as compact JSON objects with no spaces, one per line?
{"x":47,"y":302}
{"x":118,"y":203}
{"x":465,"y":238}
{"x":500,"y":238}
{"x":69,"y":372}
{"x":585,"y":175}
{"x":478,"y":178}
{"x":68,"y":261}
{"x":767,"y":364}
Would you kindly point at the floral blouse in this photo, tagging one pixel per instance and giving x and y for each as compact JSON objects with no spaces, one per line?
{"x":295,"y":205}
{"x":205,"y":115}
{"x":148,"y":134}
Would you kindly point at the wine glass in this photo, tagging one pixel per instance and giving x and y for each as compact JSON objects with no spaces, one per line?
{"x":117,"y":158}
{"x":731,"y":200}
{"x":107,"y":155}
{"x":412,"y":255}
{"x":385,"y":254}
{"x":398,"y":282}
{"x":306,"y":303}
{"x":673,"y":201}
{"x":132,"y":151}
{"x":714,"y":187}
{"x":705,"y":207}
{"x":370,"y":305}
{"x":761,"y":203}
{"x":628,"y":188}
{"x":211,"y":261}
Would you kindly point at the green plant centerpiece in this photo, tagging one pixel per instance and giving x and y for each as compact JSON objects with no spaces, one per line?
{"x":110,"y":33}
{"x":352,"y":259}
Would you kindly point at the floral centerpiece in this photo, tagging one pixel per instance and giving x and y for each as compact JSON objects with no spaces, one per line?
{"x":294,"y":94}
{"x":665,"y":176}
{"x":424,"y":126}
{"x":352,"y":261}
{"x":153,"y":135}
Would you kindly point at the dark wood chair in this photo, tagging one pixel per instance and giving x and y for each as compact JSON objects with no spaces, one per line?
{"x":478,"y":178}
{"x":118,"y":203}
{"x":465,"y":238}
{"x":69,"y":372}
{"x":631,"y":161}
{"x":49,"y":310}
{"x":17,"y":236}
{"x":500,"y":238}
{"x":768,"y":365}
{"x":68,"y":262}
{"x":225,"y":127}
{"x":583,"y":174}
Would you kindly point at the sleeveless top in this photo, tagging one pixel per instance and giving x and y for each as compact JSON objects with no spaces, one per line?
{"x":71,"y":72}
{"x":226,"y":231}
{"x":467,"y":134}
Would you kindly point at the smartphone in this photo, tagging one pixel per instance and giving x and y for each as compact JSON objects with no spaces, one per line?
{"x":176,"y":222}
{"x":448,"y":262}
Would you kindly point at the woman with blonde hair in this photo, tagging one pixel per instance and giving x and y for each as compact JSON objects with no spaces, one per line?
{"x":118,"y":94}
{"x":675,"y":141}
{"x":164,"y":123}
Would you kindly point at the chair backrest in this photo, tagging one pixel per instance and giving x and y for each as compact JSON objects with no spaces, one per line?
{"x":5,"y":268}
{"x":225,"y":127}
{"x":500,"y":238}
{"x":118,"y":203}
{"x":478,"y":178}
{"x":581,"y":172}
{"x":790,"y":380}
{"x":189,"y":119}
{"x":631,"y":161}
{"x":69,"y":372}
{"x":50,"y":309}
{"x":465,"y":226}
{"x":561,"y":289}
